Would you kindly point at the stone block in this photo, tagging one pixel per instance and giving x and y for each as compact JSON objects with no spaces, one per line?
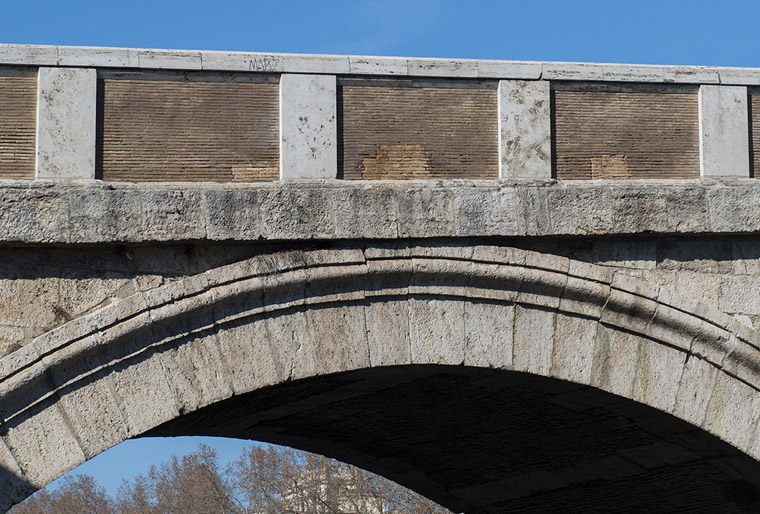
{"x":247,"y":350}
{"x":378,"y":65}
{"x":658,"y":373}
{"x":232,"y":214}
{"x":292,"y":343}
{"x":29,"y":55}
{"x":388,"y":332}
{"x":94,"y":414}
{"x":169,"y":59}
{"x":533,"y":340}
{"x":443,"y":68}
{"x":173,"y":215}
{"x":424,"y":212}
{"x":580,"y":210}
{"x":490,"y":214}
{"x":614,"y":364}
{"x":340,"y":337}
{"x":524,"y":129}
{"x":304,"y":63}
{"x":733,"y":411}
{"x":695,"y":390}
{"x":532,"y":212}
{"x":733,"y":209}
{"x":739,"y":294}
{"x":66,"y":107}
{"x":297,"y":213}
{"x":196,"y":371}
{"x":97,"y":57}
{"x":42,"y":444}
{"x":574,"y":345}
{"x":99,"y":215}
{"x":572,"y":71}
{"x":509,"y":70}
{"x":489,"y":329}
{"x":723,"y":131}
{"x":241,"y":61}
{"x":436,"y":330}
{"x":365,"y":212}
{"x":308,"y":127}
{"x":739,"y":76}
{"x":146,"y":398}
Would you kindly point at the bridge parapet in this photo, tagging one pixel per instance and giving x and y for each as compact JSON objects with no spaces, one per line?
{"x":167,"y":115}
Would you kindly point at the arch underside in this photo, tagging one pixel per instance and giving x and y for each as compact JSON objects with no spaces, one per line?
{"x":490,"y":379}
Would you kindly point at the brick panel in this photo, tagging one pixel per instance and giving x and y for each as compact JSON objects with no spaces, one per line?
{"x":754,"y":132}
{"x":625,"y":132}
{"x":18,"y":123}
{"x":417,"y":130}
{"x":188,"y":129}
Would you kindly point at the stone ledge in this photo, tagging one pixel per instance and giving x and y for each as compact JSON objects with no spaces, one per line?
{"x":257,"y":62}
{"x":95,"y":212}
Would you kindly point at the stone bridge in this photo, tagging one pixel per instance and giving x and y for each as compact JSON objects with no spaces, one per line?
{"x":509,"y":286}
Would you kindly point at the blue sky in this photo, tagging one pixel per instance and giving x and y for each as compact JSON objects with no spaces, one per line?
{"x":648,"y":32}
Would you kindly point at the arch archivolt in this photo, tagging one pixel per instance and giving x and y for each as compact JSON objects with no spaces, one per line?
{"x":139,"y":362}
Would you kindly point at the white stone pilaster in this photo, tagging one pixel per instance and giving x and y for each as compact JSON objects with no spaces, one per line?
{"x":66,"y":114}
{"x":308,"y":126}
{"x":524,"y":129}
{"x":723,"y":131}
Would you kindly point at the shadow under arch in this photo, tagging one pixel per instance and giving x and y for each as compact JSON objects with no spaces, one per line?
{"x":149,"y":363}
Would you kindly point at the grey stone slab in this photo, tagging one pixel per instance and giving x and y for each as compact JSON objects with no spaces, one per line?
{"x":524,"y":129}
{"x":95,"y":416}
{"x":443,"y":68}
{"x":365,"y":212}
{"x":614,"y":363}
{"x":169,"y":59}
{"x":436,"y":329}
{"x":695,"y":390}
{"x":572,"y":71}
{"x":144,"y":394}
{"x":29,"y":55}
{"x":340,"y":338}
{"x":378,"y":65}
{"x":247,"y":350}
{"x":574,"y":346}
{"x":303,"y":63}
{"x":43,"y":445}
{"x":232,"y":213}
{"x":739,"y":76}
{"x":483,"y":215}
{"x":285,"y":213}
{"x":66,"y":107}
{"x":101,"y":215}
{"x":723,"y":131}
{"x":242,"y":61}
{"x":489,"y":329}
{"x":424,"y":212}
{"x":196,"y":371}
{"x":97,"y":57}
{"x":658,"y":374}
{"x":733,"y":411}
{"x":172,"y":215}
{"x":533,"y":340}
{"x":308,"y":127}
{"x":509,"y":70}
{"x":388,"y":332}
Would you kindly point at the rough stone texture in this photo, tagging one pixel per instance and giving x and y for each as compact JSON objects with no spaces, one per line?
{"x":308,"y":127}
{"x":77,"y":214}
{"x":524,"y":129}
{"x":66,"y":123}
{"x":445,"y":311}
{"x":723,"y":131}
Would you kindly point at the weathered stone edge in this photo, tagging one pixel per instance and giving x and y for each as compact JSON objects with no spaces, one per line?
{"x":41,"y":55}
{"x":45,"y":213}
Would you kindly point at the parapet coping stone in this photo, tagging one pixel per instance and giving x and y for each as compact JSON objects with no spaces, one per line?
{"x":260,"y":62}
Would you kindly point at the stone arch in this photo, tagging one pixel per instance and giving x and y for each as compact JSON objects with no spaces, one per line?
{"x":135,"y":366}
